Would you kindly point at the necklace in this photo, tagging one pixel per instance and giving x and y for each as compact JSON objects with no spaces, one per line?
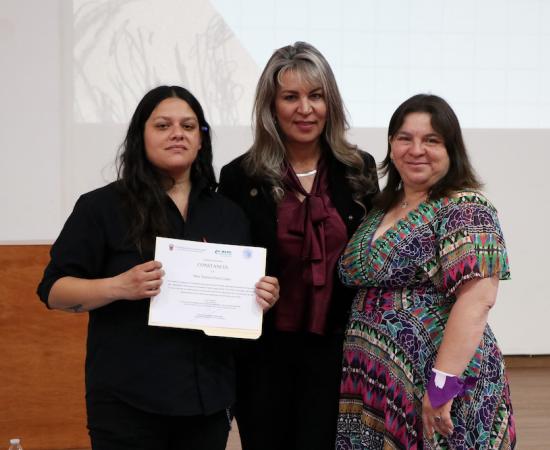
{"x":405,"y":204}
{"x":306,"y":174}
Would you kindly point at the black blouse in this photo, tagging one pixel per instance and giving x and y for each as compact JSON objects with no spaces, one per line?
{"x":161,"y":370}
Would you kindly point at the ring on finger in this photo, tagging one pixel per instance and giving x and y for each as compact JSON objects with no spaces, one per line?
{"x":437,"y":419}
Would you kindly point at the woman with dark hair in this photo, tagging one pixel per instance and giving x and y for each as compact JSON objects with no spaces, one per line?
{"x":305,"y":189}
{"x":149,"y":387}
{"x":421,"y":368}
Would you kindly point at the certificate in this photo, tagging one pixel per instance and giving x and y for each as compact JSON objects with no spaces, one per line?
{"x":209,"y":287}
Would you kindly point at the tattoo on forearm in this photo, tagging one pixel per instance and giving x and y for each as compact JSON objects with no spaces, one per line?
{"x":76,"y":309}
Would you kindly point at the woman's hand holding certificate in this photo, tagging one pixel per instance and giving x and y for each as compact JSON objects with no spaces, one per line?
{"x":212,"y":287}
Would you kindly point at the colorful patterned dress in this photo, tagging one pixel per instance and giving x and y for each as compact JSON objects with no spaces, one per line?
{"x":407,"y":279}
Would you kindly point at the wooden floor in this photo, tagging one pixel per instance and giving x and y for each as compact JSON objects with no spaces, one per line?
{"x":530,"y":386}
{"x":530,"y":389}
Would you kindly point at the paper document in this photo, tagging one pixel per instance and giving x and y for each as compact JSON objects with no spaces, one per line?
{"x":209,"y":287}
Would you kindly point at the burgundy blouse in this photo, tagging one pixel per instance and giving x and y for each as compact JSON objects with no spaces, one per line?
{"x":311,"y":236}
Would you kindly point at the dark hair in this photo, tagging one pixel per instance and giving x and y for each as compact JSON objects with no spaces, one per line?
{"x":144,"y":186}
{"x":460,"y":175}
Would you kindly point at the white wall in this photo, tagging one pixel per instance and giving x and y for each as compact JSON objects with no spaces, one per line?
{"x":51,"y":154}
{"x":514,"y":166}
{"x":31,"y":132}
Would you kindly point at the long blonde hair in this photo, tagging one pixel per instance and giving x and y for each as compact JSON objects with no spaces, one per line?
{"x":265,"y":158}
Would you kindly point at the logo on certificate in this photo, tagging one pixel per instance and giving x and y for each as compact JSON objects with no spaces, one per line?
{"x":247,"y":253}
{"x":171,"y":247}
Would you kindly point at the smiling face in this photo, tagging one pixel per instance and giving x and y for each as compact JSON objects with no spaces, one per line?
{"x":172,"y":137}
{"x":300,"y":109}
{"x":418,"y":153}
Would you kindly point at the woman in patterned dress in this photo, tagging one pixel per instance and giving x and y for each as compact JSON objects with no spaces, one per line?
{"x":421,"y":367}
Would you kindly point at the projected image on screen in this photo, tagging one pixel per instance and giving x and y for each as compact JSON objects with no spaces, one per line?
{"x":487,"y":58}
{"x":123,"y":48}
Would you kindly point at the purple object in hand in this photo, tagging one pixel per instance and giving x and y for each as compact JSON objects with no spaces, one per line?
{"x":453,"y":386}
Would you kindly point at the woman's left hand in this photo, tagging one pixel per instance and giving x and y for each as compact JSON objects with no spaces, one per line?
{"x":267,"y":292}
{"x":436,"y":419}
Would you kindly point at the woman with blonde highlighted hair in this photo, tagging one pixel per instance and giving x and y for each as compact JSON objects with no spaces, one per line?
{"x":304,"y":189}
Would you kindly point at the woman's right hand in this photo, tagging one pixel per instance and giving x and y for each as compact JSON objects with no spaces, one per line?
{"x":81,"y":294}
{"x":437,"y":419}
{"x":141,"y":281}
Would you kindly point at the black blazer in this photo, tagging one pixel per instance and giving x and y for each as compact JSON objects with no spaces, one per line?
{"x":254,"y":197}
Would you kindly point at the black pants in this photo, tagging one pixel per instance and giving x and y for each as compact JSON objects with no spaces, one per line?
{"x":287,"y":392}
{"x":114,"y":425}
